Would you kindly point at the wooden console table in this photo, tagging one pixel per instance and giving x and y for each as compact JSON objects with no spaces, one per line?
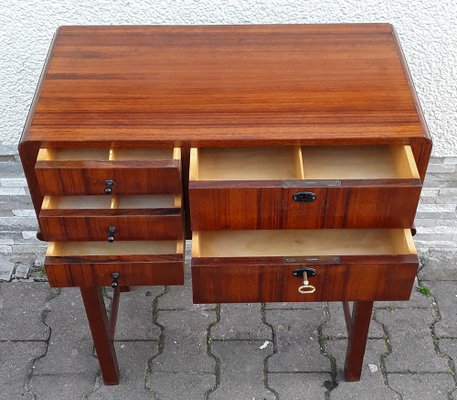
{"x":294,"y":153}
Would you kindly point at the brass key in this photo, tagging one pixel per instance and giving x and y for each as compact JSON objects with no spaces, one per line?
{"x":306,"y":287}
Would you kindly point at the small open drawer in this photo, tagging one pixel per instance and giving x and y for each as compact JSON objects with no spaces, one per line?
{"x":112,"y":218}
{"x":94,"y":263}
{"x":74,"y":171}
{"x":303,"y":163}
{"x":303,"y":187}
{"x":262,"y":265}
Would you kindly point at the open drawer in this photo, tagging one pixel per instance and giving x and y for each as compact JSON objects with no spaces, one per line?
{"x":75,"y":171}
{"x":112,"y":218}
{"x":303,"y":187}
{"x":267,"y":265}
{"x":94,"y":263}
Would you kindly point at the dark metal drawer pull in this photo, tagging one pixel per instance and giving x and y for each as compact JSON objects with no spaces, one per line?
{"x":304,"y":197}
{"x":115,"y":276}
{"x":111,"y":231}
{"x":109,"y":183}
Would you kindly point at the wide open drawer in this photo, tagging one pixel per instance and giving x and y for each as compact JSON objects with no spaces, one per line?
{"x":74,"y":171}
{"x":260,"y":266}
{"x":140,"y":217}
{"x":94,"y":263}
{"x":303,"y":187}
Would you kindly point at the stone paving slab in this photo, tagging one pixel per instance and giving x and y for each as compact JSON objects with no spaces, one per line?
{"x":70,"y":348}
{"x":180,"y":385}
{"x":22,"y":271}
{"x":22,"y":311}
{"x":335,"y":327}
{"x":61,"y":386}
{"x":445,"y":295}
{"x":410,"y":337}
{"x":17,"y":361}
{"x":135,"y":314}
{"x":299,"y":386}
{"x":185,"y":342}
{"x":241,"y":321}
{"x":6,"y":269}
{"x":297,"y":341}
{"x":241,"y":370}
{"x":422,"y":386}
{"x":439,"y":265}
{"x":132,"y":358}
{"x":448,"y":347}
{"x":372,"y":385}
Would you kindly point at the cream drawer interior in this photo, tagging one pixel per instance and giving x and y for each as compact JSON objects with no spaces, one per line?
{"x":313,"y":242}
{"x":111,"y":202}
{"x":106,"y":154}
{"x":78,"y":249}
{"x":306,"y":162}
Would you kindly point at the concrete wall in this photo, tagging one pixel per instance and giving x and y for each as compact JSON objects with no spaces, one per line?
{"x":427,"y":31}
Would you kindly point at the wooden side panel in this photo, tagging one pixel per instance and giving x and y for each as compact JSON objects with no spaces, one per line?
{"x":100,"y":274}
{"x":59,"y":226}
{"x":422,"y":150}
{"x":274,"y":208}
{"x":244,"y":283}
{"x":78,"y":178}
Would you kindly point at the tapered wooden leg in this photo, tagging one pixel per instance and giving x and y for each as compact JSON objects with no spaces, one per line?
{"x":114,"y":310}
{"x":101,"y":333}
{"x":359,"y":323}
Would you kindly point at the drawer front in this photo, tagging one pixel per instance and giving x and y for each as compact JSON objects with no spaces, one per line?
{"x":97,"y":171}
{"x":94,"y":263}
{"x":100,"y":274}
{"x":246,"y":283}
{"x":213,"y":207}
{"x":303,"y":187}
{"x":93,"y":177}
{"x":139,"y":225}
{"x":259,"y":265}
{"x":111,"y":218}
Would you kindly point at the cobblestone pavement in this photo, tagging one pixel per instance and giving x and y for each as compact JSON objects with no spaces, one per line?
{"x":169,"y":348}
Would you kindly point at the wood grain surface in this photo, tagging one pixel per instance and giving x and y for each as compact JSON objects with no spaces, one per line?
{"x":213,"y":84}
{"x":226,"y":280}
{"x":270,"y":205}
{"x":88,"y":177}
{"x":135,"y":270}
{"x":133,"y":224}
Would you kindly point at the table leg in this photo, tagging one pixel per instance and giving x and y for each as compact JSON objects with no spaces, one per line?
{"x":358,"y":335}
{"x":101,"y":333}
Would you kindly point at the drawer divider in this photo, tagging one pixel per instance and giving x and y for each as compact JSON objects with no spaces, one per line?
{"x":299,"y":166}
